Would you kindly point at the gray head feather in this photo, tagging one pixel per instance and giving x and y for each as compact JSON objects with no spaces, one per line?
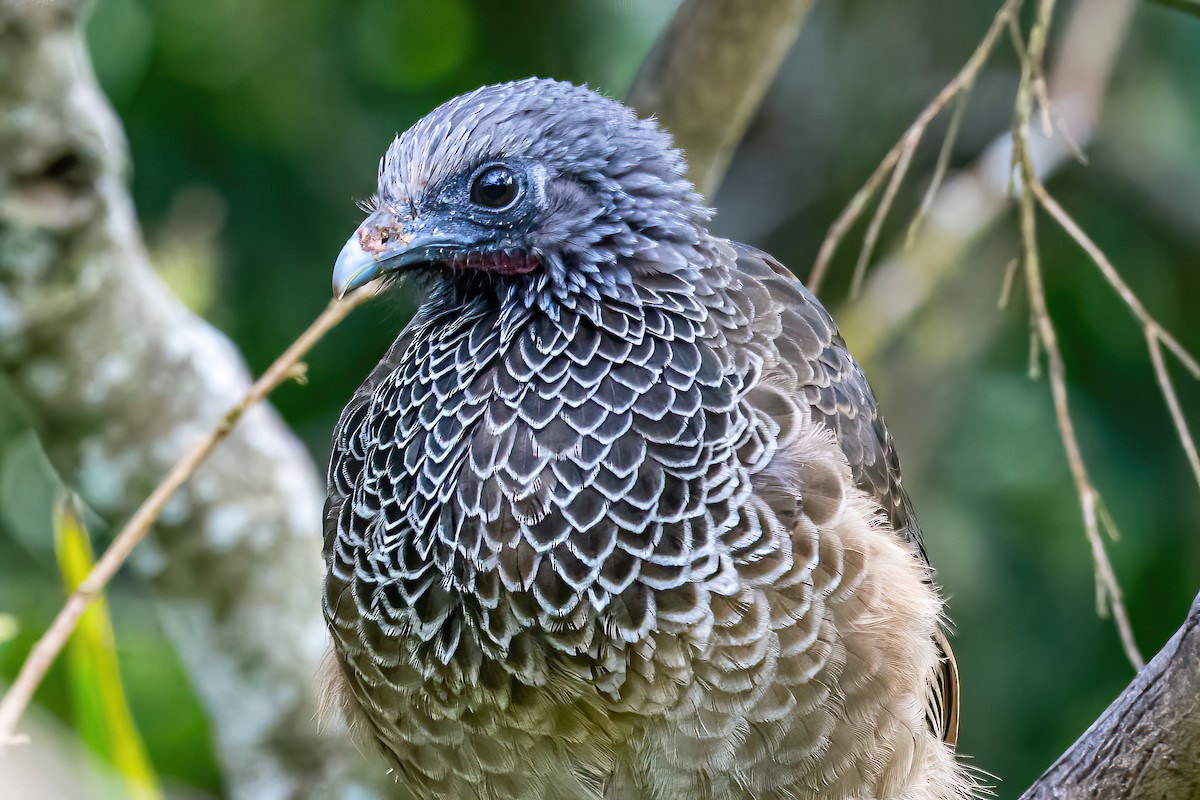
{"x":606,"y":189}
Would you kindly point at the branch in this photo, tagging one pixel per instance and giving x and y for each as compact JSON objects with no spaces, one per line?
{"x":123,"y":377}
{"x":1147,"y":743}
{"x":1156,"y":336}
{"x":1186,"y":6}
{"x":708,"y":72}
{"x":971,"y":201}
{"x":1033,"y":190}
{"x":896,"y":161}
{"x":1108,"y":590}
{"x":1154,"y":341}
{"x":47,"y":648}
{"x":123,"y":380}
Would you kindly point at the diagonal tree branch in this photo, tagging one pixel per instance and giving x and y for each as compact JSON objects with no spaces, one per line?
{"x":287,"y":367}
{"x":708,"y":72}
{"x":1186,"y":6}
{"x":1147,"y":743}
{"x":971,"y":201}
{"x":895,"y":163}
{"x":1108,"y":590}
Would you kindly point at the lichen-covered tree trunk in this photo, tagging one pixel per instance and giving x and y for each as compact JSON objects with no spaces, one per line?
{"x":121,"y":378}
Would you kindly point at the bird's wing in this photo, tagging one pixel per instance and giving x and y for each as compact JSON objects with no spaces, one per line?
{"x":839,"y":396}
{"x":836,"y":389}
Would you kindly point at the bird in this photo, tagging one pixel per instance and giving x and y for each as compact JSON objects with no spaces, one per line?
{"x":616,"y":515}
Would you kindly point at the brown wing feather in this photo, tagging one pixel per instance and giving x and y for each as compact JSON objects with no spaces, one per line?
{"x":840,"y":397}
{"x":944,"y":701}
{"x":839,"y":394}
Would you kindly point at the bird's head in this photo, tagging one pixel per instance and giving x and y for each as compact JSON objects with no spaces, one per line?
{"x":542,"y":186}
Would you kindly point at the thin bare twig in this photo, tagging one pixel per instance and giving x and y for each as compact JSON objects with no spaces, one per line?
{"x":885,"y":205}
{"x":961,"y":82}
{"x":940,"y":168}
{"x":1051,"y":122}
{"x":1108,"y":590}
{"x":1038,"y":81}
{"x":1035,"y":351}
{"x":1107,"y":522}
{"x":1154,"y":336}
{"x":1010,"y":276}
{"x":1110,"y":273}
{"x":1038,"y":35}
{"x":1087,"y":48}
{"x":47,"y":648}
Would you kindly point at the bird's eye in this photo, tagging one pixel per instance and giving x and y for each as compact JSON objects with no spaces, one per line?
{"x":495,"y":187}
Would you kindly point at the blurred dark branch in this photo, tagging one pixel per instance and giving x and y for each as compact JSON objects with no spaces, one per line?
{"x":707,"y":74}
{"x":1147,"y":743}
{"x":123,"y":379}
{"x":1186,"y":6}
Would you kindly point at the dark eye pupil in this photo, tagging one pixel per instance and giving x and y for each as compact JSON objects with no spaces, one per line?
{"x":495,"y":188}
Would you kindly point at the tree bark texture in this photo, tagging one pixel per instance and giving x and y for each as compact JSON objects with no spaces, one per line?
{"x":121,"y":378}
{"x":708,"y":72}
{"x":1146,"y":745}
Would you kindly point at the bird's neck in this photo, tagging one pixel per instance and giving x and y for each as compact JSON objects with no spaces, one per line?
{"x":480,"y":387}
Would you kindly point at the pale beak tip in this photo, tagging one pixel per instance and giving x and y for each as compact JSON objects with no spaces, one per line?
{"x":354,"y":268}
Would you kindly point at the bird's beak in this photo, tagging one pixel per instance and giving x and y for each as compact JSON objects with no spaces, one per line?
{"x":357,"y":265}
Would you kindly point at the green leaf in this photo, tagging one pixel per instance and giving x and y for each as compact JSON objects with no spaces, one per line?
{"x":102,"y":713}
{"x":8,"y":628}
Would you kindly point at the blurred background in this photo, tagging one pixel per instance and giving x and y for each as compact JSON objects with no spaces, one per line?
{"x":254,"y":127}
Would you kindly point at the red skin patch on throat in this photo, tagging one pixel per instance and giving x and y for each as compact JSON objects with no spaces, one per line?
{"x":499,"y":262}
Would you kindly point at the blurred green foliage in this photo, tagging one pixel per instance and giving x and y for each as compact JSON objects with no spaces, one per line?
{"x":254,"y":126}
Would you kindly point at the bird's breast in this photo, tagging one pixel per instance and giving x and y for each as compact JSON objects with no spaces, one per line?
{"x":559,"y":479}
